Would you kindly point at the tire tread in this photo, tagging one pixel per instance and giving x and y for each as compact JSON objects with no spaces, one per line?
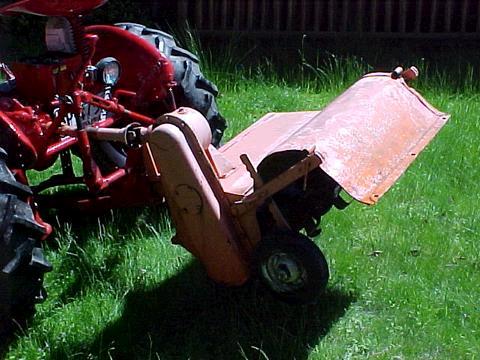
{"x":193,"y":88}
{"x":21,"y":277}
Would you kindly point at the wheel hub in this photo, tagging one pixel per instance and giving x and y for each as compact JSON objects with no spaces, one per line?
{"x":284,"y":272}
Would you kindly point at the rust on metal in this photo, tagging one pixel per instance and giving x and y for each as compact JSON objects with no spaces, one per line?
{"x":365,"y":139}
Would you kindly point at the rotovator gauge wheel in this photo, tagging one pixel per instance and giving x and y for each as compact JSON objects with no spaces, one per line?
{"x":291,"y":266}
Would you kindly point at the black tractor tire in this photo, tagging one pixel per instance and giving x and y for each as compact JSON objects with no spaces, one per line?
{"x":193,"y":89}
{"x":291,"y":267}
{"x":22,"y":263}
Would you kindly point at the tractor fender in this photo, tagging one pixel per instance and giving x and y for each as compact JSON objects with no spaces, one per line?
{"x":145,"y":71}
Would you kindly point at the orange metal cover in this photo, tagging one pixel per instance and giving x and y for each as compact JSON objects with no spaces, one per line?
{"x":366,"y":138}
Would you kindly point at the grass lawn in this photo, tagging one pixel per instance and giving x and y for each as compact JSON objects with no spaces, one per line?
{"x":404,"y":274}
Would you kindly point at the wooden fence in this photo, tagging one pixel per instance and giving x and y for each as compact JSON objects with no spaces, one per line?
{"x":395,"y":18}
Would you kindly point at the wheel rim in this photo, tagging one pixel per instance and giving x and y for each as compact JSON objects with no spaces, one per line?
{"x":284,"y":272}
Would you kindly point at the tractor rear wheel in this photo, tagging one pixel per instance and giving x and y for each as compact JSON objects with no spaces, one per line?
{"x":193,"y":89}
{"x":22,"y":264}
{"x":291,"y":266}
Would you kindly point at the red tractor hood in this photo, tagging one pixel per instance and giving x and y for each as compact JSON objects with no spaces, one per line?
{"x":51,"y":7}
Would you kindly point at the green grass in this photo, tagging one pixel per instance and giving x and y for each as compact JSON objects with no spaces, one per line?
{"x":121,"y":290}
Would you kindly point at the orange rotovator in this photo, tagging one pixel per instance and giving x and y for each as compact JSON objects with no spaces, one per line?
{"x":245,"y":208}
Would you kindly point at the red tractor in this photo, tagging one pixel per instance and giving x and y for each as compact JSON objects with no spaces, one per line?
{"x":137,"y":111}
{"x":89,"y":76}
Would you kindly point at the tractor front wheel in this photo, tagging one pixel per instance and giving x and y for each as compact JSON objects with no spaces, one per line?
{"x":193,"y":88}
{"x":291,"y":266}
{"x":22,"y":264}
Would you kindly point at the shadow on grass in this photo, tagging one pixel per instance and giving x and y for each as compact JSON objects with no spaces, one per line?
{"x":188,"y":316}
{"x":85,"y":227}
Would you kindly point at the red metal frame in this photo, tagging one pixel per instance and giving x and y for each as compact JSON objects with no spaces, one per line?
{"x":33,"y":115}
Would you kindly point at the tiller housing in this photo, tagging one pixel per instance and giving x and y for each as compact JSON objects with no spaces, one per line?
{"x":243,"y":207}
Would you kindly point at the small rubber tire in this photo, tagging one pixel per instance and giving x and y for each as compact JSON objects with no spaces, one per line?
{"x":193,"y":88}
{"x":291,"y":267}
{"x":22,"y":263}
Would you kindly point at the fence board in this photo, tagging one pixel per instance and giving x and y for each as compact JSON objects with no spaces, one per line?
{"x":250,"y":14}
{"x":373,"y":16}
{"x":318,"y":15}
{"x":237,"y":15}
{"x":478,"y":16}
{"x":388,"y":16}
{"x":277,"y":8}
{"x":263,"y":20}
{"x":448,"y":15}
{"x":211,"y":14}
{"x":403,"y":16}
{"x":360,"y":10}
{"x":290,"y":14}
{"x":224,"y":13}
{"x":331,"y":15}
{"x":433,"y":15}
{"x":418,"y":16}
{"x":463,"y":21}
{"x":182,"y":9}
{"x":199,"y":14}
{"x":344,"y":25}
{"x":303,"y":15}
